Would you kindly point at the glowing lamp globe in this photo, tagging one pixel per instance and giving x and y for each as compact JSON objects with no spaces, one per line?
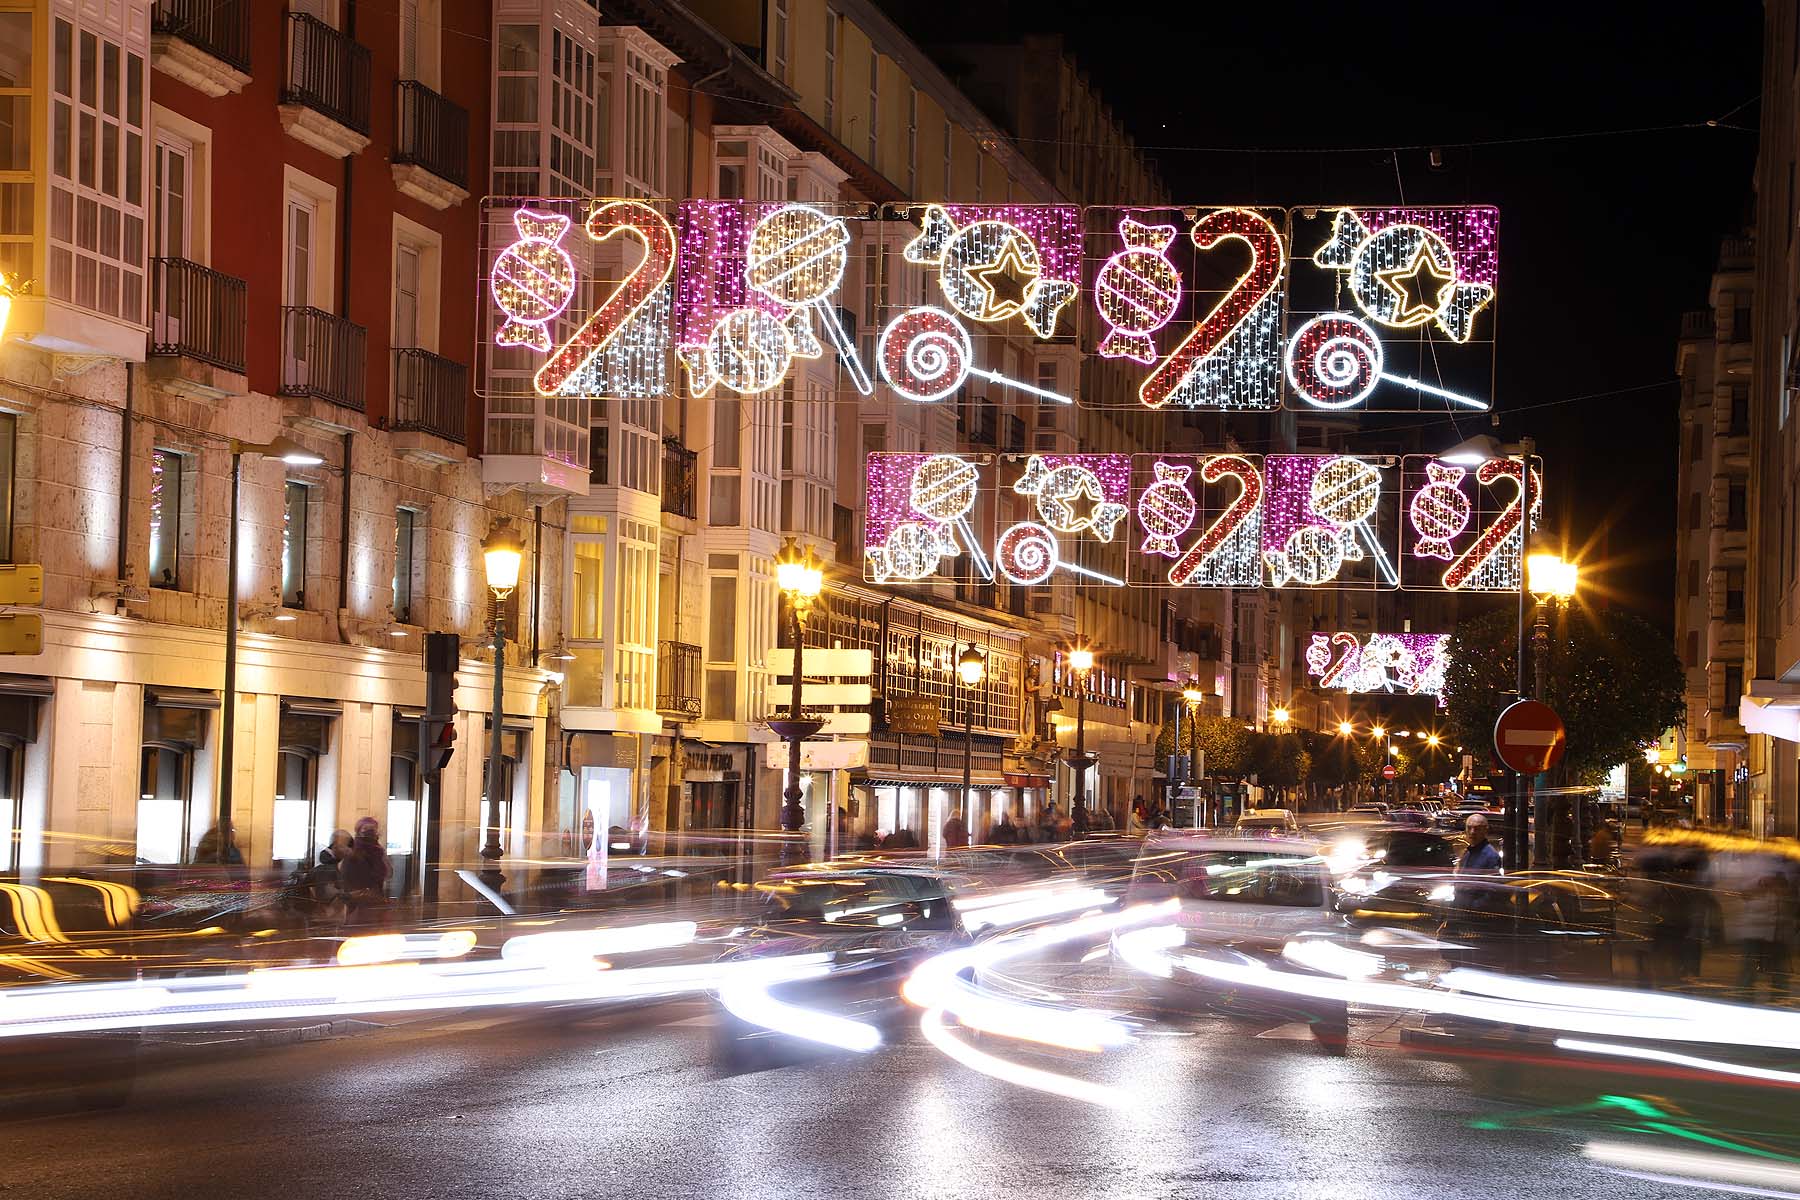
{"x":1081,"y":661}
{"x":502,"y":553}
{"x":972,"y":666}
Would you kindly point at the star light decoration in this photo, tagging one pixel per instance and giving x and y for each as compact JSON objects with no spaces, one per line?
{"x":1080,"y":497}
{"x":997,"y":262}
{"x":1412,"y":267}
{"x":1389,"y":663}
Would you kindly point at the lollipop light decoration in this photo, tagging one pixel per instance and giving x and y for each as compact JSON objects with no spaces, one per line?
{"x":1335,"y":360}
{"x":797,"y":257}
{"x":926,"y":354}
{"x":1347,"y":491}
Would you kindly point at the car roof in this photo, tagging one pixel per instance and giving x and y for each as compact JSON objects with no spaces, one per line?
{"x":1164,"y":839}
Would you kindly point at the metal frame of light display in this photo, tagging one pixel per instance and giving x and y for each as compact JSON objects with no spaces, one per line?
{"x":1411,"y":664}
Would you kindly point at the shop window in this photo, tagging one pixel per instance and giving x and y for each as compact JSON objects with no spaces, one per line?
{"x":405,"y":824}
{"x":304,"y":738}
{"x":512,"y":753}
{"x":168,"y":828}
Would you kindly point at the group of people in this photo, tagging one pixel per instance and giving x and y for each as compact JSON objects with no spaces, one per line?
{"x":351,"y":875}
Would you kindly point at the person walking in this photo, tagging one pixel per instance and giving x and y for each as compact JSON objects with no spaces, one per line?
{"x":1760,"y":935}
{"x":366,"y":870}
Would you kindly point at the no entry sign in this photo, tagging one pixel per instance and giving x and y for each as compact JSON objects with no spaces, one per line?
{"x":1529,"y":737}
{"x":1388,"y":771}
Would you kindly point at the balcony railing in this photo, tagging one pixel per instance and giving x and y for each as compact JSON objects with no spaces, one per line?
{"x":678,"y":679}
{"x":327,"y":72}
{"x":680,"y":479}
{"x":197,"y":312}
{"x":432,"y":132}
{"x":323,"y":356}
{"x":219,"y":27}
{"x":1695,"y":325}
{"x":431,"y":393}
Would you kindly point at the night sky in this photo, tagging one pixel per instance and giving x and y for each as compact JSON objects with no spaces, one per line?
{"x":1605,"y":239}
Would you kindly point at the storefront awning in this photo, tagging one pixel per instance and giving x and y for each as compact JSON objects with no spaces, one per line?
{"x":1019,"y":780}
{"x":1771,"y":708}
{"x":980,"y":779}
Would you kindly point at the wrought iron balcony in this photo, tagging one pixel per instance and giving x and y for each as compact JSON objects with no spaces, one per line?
{"x":197,"y":312}
{"x":327,"y":72}
{"x":431,"y":132}
{"x":323,"y":356}
{"x":220,"y":28}
{"x":680,"y":479}
{"x":431,"y":393}
{"x":678,"y":679}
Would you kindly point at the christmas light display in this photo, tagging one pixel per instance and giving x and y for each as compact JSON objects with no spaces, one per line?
{"x":1335,"y":361}
{"x":1229,"y":552}
{"x":532,"y":280}
{"x":926,"y":354}
{"x":919,"y":512}
{"x":1029,"y":554}
{"x":1317,"y":511}
{"x":1000,"y":262}
{"x":1413,"y":663}
{"x":1411,"y":267}
{"x":1463,"y":528}
{"x":622,"y":343}
{"x":1078,"y":493}
{"x":1137,"y":291}
{"x":1439,"y":511}
{"x":797,"y":257}
{"x":1230,"y":358}
{"x":749,"y":351}
{"x":1166,"y":510}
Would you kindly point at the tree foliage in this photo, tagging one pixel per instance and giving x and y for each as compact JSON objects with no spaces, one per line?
{"x":1225,"y":742}
{"x":1612,"y":677}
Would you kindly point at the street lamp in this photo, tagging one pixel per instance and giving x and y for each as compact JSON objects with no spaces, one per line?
{"x":800,"y":579}
{"x":294,"y":454}
{"x":1280,"y":716}
{"x":1081,"y":661}
{"x":12,"y":286}
{"x":1473,"y":452}
{"x":1345,"y":729}
{"x":972,"y":668}
{"x":501,"y":553}
{"x":1551,"y":580}
{"x":1191,"y":696}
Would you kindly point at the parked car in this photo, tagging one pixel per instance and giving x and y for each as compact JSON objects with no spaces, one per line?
{"x":1268,"y":820}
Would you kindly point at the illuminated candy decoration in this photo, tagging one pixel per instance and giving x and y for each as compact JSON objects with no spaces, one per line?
{"x":911,"y":553}
{"x":1403,"y":275}
{"x":797,"y":257}
{"x":925,"y":355}
{"x":630,"y":301}
{"x":1227,"y":554}
{"x":1028,"y":554}
{"x":943,"y":490}
{"x":1493,"y":560}
{"x":1346,"y":491}
{"x":990,"y":270}
{"x":1318,"y":655}
{"x":533,"y":279}
{"x":1166,"y":509}
{"x":1070,"y":495}
{"x":1335,"y":361}
{"x":1230,"y":359}
{"x":1312,"y":555}
{"x":1439,"y":511}
{"x":1387,"y":662}
{"x":1137,"y":291}
{"x":749,"y":351}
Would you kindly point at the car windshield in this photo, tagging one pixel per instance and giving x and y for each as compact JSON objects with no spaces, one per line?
{"x":1247,"y":877}
{"x":858,"y":902}
{"x":1406,"y":849}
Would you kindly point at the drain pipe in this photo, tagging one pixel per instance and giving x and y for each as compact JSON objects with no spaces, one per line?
{"x":344,"y":540}
{"x":125,"y":421}
{"x":537,"y":573}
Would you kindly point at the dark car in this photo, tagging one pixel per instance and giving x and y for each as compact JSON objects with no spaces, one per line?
{"x":1403,"y":873}
{"x":838,"y":943}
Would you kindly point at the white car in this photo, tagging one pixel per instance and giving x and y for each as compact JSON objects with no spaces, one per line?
{"x":1268,"y":820}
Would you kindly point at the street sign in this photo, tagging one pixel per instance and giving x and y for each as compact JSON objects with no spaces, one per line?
{"x":1388,"y":771}
{"x":1529,"y":737}
{"x":818,"y":756}
{"x":841,"y":664}
{"x":22,"y":584}
{"x":914,"y":714}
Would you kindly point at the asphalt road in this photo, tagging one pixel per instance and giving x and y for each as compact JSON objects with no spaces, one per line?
{"x":634,"y":1104}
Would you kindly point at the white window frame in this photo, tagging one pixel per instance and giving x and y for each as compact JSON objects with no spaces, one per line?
{"x":324,"y":10}
{"x":426,"y":18}
{"x":778,"y":39}
{"x":322,"y":198}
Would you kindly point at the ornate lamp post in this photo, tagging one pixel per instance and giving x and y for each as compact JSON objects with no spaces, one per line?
{"x":1552,"y":581}
{"x":800,"y":579}
{"x":1081,"y":661}
{"x":294,"y":454}
{"x":972,"y":668}
{"x":501,"y":553}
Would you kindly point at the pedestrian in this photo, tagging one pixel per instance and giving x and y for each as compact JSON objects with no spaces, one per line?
{"x":1005,"y":832}
{"x":1761,"y":935}
{"x":366,"y":870}
{"x":1600,"y":846}
{"x":1481,"y":856}
{"x":207,"y":851}
{"x":956,"y":833}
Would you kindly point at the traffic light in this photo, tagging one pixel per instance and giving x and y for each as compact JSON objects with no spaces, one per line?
{"x":437,"y":732}
{"x":437,"y":755}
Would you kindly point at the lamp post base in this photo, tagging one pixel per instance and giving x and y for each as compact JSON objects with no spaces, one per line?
{"x":1079,"y":762}
{"x":793,"y":731}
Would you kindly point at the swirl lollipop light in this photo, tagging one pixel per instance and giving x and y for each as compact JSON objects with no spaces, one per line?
{"x":1028,"y":554}
{"x":1335,"y":361}
{"x":925,"y":354}
{"x":797,"y":257}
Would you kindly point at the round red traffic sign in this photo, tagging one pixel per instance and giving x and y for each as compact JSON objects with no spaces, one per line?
{"x":1529,"y":737}
{"x":1388,"y":771}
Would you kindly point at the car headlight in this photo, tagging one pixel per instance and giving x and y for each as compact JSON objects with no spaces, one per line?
{"x":1443,"y":893}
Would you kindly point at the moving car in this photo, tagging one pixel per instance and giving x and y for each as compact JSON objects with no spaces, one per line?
{"x":1402,"y":873}
{"x":1241,"y":900}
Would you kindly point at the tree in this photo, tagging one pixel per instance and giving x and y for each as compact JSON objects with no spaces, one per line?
{"x":1224,"y":741}
{"x":1279,"y":760}
{"x":1612,"y":678}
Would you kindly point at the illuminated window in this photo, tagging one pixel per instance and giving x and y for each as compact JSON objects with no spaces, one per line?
{"x":293,"y":545}
{"x":409,"y":565}
{"x":173,"y":480}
